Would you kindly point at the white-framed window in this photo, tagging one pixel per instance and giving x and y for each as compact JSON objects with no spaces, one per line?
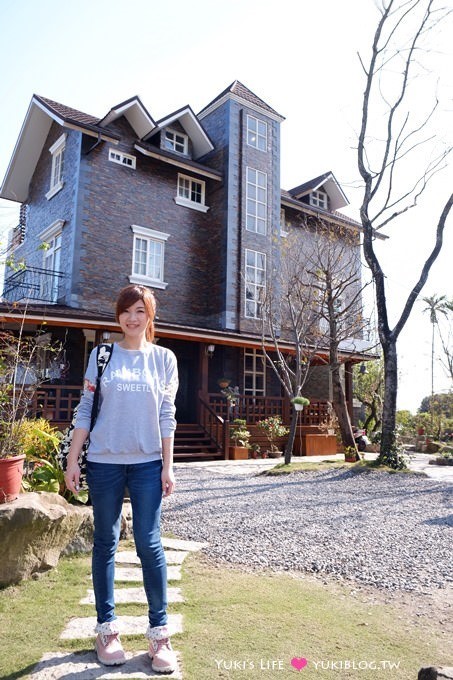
{"x":254,"y":372}
{"x":56,"y":173}
{"x":318,"y":199}
{"x":255,"y":283}
{"x":148,"y":257}
{"x":283,"y":231}
{"x":176,"y":141}
{"x":122,"y":158}
{"x":191,"y":193}
{"x":256,"y":201}
{"x":257,"y":133}
{"x":51,"y":245}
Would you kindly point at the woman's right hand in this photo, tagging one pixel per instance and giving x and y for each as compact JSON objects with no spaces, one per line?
{"x":72,"y":477}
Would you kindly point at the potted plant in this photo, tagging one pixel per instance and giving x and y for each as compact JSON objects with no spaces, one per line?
{"x":240,"y":436}
{"x":223,"y":382}
{"x":273,"y":429}
{"x":350,"y":454}
{"x":19,"y":380}
{"x":300,"y":402}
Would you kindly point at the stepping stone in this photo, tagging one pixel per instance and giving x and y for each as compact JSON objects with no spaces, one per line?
{"x":133,"y":574}
{"x":84,"y":665}
{"x":177,"y":544}
{"x":82,"y":628}
{"x":130,"y":557}
{"x":134,"y":595}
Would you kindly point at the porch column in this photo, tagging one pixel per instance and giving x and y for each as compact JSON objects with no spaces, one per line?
{"x":203,"y":369}
{"x":348,"y":387}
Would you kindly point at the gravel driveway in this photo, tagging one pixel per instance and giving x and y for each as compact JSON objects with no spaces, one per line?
{"x":391,"y":531}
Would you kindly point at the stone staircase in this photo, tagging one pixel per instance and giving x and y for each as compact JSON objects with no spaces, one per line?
{"x":84,"y":665}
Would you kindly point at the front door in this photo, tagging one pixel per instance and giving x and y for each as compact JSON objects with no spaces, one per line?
{"x":187,"y":395}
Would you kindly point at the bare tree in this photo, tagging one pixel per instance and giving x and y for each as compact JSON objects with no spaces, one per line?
{"x":390,"y":188}
{"x":446,"y":339}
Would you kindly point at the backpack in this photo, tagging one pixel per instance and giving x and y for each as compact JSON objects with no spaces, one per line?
{"x":104,"y":352}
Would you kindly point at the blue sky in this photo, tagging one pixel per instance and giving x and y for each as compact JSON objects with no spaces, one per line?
{"x":299,"y":56}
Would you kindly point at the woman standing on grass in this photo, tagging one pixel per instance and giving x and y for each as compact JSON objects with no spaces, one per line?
{"x":131,"y":446}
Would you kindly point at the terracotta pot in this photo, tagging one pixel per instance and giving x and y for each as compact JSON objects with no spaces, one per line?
{"x":238,"y":453}
{"x":11,"y":472}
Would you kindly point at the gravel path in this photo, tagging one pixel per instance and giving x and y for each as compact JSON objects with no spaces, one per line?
{"x":391,"y":531}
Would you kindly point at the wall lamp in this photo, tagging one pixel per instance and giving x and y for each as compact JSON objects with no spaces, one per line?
{"x":363,"y":369}
{"x":209,"y":349}
{"x":105,"y":336}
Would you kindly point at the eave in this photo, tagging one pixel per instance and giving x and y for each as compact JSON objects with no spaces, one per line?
{"x":180,"y":162}
{"x":136,"y":115}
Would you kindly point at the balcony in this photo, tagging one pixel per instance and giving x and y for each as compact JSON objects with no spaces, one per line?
{"x":33,"y":283}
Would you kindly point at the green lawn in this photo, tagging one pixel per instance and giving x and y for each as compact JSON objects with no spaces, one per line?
{"x":236,"y":625}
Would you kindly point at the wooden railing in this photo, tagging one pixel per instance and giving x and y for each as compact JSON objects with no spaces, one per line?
{"x":216,"y":426}
{"x":252,"y":409}
{"x":56,"y":403}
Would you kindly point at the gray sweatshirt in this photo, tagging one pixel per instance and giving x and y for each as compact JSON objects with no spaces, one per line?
{"x":137,"y":408}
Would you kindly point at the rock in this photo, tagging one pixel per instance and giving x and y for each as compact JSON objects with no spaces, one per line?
{"x":126,"y":521}
{"x":34,"y":530}
{"x":83,"y":540}
{"x":433,"y":673}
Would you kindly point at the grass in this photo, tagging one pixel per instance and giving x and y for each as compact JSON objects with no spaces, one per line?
{"x":360,"y":466}
{"x":257,"y":622}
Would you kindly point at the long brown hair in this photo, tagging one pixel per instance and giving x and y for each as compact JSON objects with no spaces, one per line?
{"x":129,"y":295}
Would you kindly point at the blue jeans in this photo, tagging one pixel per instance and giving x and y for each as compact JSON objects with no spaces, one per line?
{"x":107,"y":483}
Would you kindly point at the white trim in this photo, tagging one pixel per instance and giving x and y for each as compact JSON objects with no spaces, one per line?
{"x":178,"y":163}
{"x":55,"y":189}
{"x":257,"y":133}
{"x":123,"y":156}
{"x":61,"y":141}
{"x":51,"y":230}
{"x":145,"y":281}
{"x":191,"y":204}
{"x":257,"y":202}
{"x":257,"y":286}
{"x":151,"y":233}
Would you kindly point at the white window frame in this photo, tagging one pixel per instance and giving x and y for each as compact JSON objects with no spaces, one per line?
{"x":181,"y":190}
{"x":171,"y":143}
{"x":283,"y":231}
{"x":151,"y":236}
{"x":52,"y":237}
{"x":124,"y":159}
{"x":255,"y":201}
{"x":258,"y":369}
{"x":255,"y":138}
{"x":255,"y":283}
{"x":319,"y":199}
{"x":56,"y":173}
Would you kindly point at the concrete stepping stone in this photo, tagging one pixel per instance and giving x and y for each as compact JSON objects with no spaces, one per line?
{"x":84,"y":666}
{"x":134,"y":574}
{"x":178,"y":544}
{"x":82,"y":628}
{"x":134,"y":596}
{"x":130,"y":557}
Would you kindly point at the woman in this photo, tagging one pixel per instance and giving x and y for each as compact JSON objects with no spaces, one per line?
{"x":131,"y":446}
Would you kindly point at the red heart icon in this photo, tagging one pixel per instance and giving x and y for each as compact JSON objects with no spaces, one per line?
{"x":299,"y":662}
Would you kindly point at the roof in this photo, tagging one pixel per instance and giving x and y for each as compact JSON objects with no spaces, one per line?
{"x":239,"y":91}
{"x":192,"y":126}
{"x":330,"y":185}
{"x":177,"y":159}
{"x":135,"y":113}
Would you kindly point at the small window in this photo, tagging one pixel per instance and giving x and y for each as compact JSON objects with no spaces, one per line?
{"x":255,"y":283}
{"x":122,"y":158}
{"x":56,"y":174}
{"x":191,"y":193}
{"x":254,"y":372}
{"x":148,"y":257}
{"x":176,"y":141}
{"x":318,"y":199}
{"x":257,"y":133}
{"x":256,"y":218}
{"x":283,"y":231}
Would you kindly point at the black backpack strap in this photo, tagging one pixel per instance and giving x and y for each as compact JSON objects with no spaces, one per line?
{"x":104,"y":352}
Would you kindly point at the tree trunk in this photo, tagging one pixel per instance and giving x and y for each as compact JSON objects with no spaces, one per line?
{"x":291,"y":437}
{"x":341,"y":409}
{"x":388,"y":453}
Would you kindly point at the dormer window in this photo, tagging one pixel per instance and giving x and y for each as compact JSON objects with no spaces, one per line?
{"x":318,"y":199}
{"x":176,"y":141}
{"x":56,"y":174}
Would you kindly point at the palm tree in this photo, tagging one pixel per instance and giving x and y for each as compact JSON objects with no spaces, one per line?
{"x":435,"y":305}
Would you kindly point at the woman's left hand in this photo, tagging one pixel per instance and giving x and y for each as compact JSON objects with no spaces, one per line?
{"x":168,"y":481}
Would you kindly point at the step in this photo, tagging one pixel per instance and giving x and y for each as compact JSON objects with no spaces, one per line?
{"x":131,"y":557}
{"x":84,"y":666}
{"x":135,"y":574}
{"x":83,"y":628}
{"x":181,"y":544}
{"x":134,"y":596}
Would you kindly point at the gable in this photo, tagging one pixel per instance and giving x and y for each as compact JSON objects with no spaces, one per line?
{"x":186,"y":121}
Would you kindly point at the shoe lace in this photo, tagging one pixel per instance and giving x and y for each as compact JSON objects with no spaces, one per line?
{"x":160,"y":644}
{"x":106,"y":639}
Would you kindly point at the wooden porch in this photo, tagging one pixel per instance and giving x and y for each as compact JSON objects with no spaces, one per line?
{"x":209,"y":437}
